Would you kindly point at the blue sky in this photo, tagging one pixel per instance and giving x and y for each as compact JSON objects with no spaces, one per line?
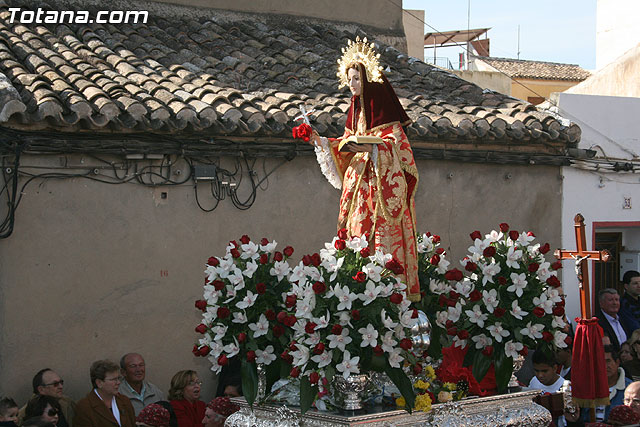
{"x":550,"y":30}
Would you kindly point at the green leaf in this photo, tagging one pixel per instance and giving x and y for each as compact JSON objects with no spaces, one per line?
{"x":307,"y":394}
{"x":481,"y":365}
{"x":249,"y":381}
{"x":273,"y":373}
{"x":435,"y":348}
{"x":504,"y":368}
{"x":400,"y":379}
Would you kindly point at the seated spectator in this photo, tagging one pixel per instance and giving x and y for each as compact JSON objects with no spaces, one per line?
{"x":547,"y":378}
{"x":217,"y":412}
{"x":104,"y":406}
{"x":8,"y":412}
{"x":48,"y":383}
{"x":625,"y":352}
{"x":617,"y":380}
{"x":140,"y":392}
{"x":184,"y":396}
{"x":609,"y":319}
{"x":153,"y":415}
{"x":632,"y":367}
{"x":45,"y":407}
{"x":632,"y":396}
{"x":630,"y":301}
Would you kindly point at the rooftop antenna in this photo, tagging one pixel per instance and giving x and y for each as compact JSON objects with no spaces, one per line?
{"x":468,"y":31}
{"x":518,"y":41}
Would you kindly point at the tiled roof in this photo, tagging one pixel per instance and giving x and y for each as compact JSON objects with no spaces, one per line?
{"x":191,"y":71}
{"x":536,"y":69}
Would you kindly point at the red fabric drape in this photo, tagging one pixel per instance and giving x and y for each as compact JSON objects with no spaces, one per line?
{"x":589,"y":386}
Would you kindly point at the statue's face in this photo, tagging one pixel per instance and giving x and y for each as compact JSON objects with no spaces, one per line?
{"x":353,"y":76}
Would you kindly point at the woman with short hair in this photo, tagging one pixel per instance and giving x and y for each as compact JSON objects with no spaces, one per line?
{"x":184,"y":396}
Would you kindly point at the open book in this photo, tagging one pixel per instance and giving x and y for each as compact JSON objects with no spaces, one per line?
{"x":360,"y":139}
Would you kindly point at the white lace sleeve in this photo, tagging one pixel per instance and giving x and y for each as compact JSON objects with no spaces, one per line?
{"x":327,"y":166}
{"x":374,"y":158}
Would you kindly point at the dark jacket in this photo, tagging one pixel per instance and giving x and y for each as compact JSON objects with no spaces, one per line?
{"x":608,"y":329}
{"x":629,"y":312}
{"x":92,"y":412}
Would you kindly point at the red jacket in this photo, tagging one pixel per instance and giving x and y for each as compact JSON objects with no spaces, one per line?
{"x":189,"y":414}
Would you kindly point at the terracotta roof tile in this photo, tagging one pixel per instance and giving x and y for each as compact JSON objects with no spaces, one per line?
{"x":536,"y":69}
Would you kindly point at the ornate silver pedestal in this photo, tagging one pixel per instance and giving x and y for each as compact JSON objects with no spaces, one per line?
{"x":516,"y":409}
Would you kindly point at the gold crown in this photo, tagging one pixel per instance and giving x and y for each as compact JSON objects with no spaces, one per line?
{"x":359,"y":51}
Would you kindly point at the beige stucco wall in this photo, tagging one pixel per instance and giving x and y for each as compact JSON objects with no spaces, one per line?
{"x":535,"y":87}
{"x":95,"y":270}
{"x":377,"y":13}
{"x":413,"y":21}
{"x":487,"y":80}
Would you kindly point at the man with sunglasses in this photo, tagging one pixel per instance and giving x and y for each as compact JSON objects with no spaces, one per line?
{"x":48,"y":383}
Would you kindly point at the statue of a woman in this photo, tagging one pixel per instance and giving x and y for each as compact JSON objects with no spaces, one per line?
{"x":378,"y":181}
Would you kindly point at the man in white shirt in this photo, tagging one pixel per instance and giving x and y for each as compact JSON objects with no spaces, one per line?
{"x":609,"y":320}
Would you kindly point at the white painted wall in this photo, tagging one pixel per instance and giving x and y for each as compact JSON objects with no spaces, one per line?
{"x":617,"y":29}
{"x":609,"y":124}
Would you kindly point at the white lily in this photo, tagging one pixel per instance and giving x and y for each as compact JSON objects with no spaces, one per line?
{"x":481,"y":341}
{"x":261,"y":327}
{"x":280,"y":269}
{"x":497,"y":331}
{"x":512,"y":349}
{"x":369,"y":336}
{"x":249,"y":250}
{"x":513,"y":255}
{"x":265,"y":356}
{"x":339,"y":341}
{"x":371,"y":292}
{"x":345,"y":297}
{"x":247,"y":301}
{"x":323,"y":359}
{"x":516,"y":311}
{"x":519,"y":282}
{"x":348,"y":365}
{"x":477,"y":316}
{"x":490,"y":299}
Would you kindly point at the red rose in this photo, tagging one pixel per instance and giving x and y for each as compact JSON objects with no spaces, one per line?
{"x":340,"y":244}
{"x":264,"y":241}
{"x":428,"y":233}
{"x":488,"y":350}
{"x":201,"y":328}
{"x":281,"y":316}
{"x":538,"y":311}
{"x":314,"y":377}
{"x":270,"y":315}
{"x":489,"y":251}
{"x":405,"y":344}
{"x":365,"y":252}
{"x":502,"y":280}
{"x":245,"y":239}
{"x":499,"y":312}
{"x":454,"y":295}
{"x":561,"y":302}
{"x":218,"y":284}
{"x":319,"y":348}
{"x":504,"y":227}
{"x":452,"y":331}
{"x":547,"y":336}
{"x":558,"y":310}
{"x":475,"y":235}
{"x":463,"y":334}
{"x":290,"y":301}
{"x":544,"y":248}
{"x":306,"y":260}
{"x":223,"y":312}
{"x":277,"y":256}
{"x":315,"y":259}
{"x":319,"y":287}
{"x":293,"y":346}
{"x":443,"y":300}
{"x":451,"y":302}
{"x":524,"y":351}
{"x":337,"y":329}
{"x":201,"y":305}
{"x":277,"y":330}
{"x":286,"y":357}
{"x":378,"y":351}
{"x":568,"y":340}
{"x":355,"y":314}
{"x":290,"y":320}
{"x":261,"y":288}
{"x":454,"y":275}
{"x":435,"y":259}
{"x":242,"y":337}
{"x":395,"y":298}
{"x":213,"y":261}
{"x":394,"y":266}
{"x":360,"y":277}
{"x":471,"y":266}
{"x":233,"y":243}
{"x":530,"y":234}
{"x":449,"y":324}
{"x":342,"y":234}
{"x":414,"y":314}
{"x":294,"y":372}
{"x":288,"y":251}
{"x":417,"y":369}
{"x":235,"y":253}
{"x":556,"y":265}
{"x":439,"y":251}
{"x":302,"y":132}
{"x":264,"y":258}
{"x":222,"y":360}
{"x":251,"y":356}
{"x":310,"y":327}
{"x":436,"y":239}
{"x":195,"y":351}
{"x":204,"y":351}
{"x":533,"y":267}
{"x":513,"y":235}
{"x":475,"y":295}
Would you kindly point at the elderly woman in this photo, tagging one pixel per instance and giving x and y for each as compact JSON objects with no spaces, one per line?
{"x":43,"y":406}
{"x":104,"y":406}
{"x":184,"y":396}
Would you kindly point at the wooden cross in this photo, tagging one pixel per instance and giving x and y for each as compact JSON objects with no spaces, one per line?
{"x":582,"y":269}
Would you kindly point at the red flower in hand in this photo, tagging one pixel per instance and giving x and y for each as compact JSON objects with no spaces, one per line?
{"x":302,"y":132}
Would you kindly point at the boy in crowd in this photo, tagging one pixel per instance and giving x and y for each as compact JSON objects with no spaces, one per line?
{"x":8,"y":412}
{"x":547,"y":378}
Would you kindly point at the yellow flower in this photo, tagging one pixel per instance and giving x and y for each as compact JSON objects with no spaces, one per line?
{"x":444,"y":396}
{"x":449,"y":386}
{"x":400,"y":402}
{"x":421,"y":385}
{"x":423,"y":403}
{"x":429,"y":372}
